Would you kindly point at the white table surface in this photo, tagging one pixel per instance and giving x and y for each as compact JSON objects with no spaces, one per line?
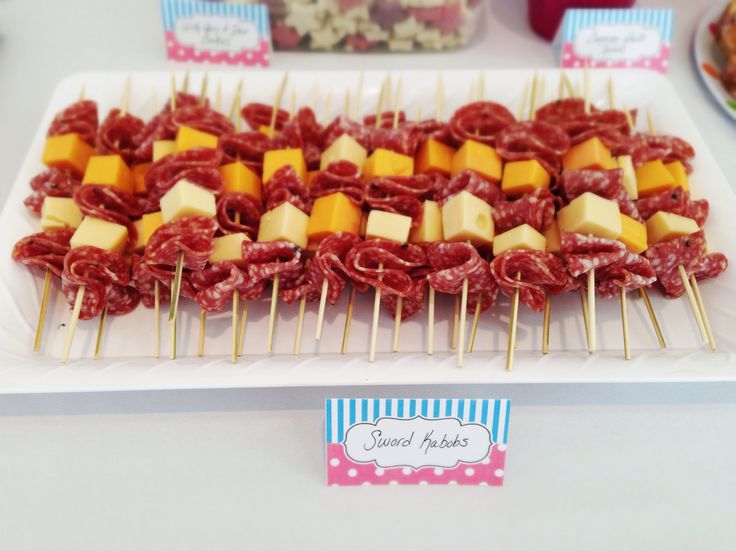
{"x":589,"y":467}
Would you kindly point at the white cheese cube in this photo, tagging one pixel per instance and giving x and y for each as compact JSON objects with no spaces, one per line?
{"x":430,"y":228}
{"x":552,"y":238}
{"x":465,"y":217}
{"x":94,"y":232}
{"x":344,"y":148}
{"x":387,"y":225}
{"x":228,"y":248}
{"x":663,"y":226}
{"x":590,"y":214}
{"x":161,"y":148}
{"x":284,"y":223}
{"x":625,"y":163}
{"x":521,"y":237}
{"x":60,"y":212}
{"x":187,"y":199}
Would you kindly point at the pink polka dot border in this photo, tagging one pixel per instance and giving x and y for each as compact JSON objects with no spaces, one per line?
{"x":659,"y":63}
{"x":252,"y":58}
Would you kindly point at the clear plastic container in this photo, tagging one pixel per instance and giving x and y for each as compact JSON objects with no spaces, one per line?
{"x":369,"y":25}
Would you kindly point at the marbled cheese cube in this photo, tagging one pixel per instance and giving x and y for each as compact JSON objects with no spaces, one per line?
{"x":187,"y":199}
{"x":284,"y":223}
{"x":591,"y":214}
{"x":465,"y":217}
{"x":94,"y":232}
{"x":521,"y":237}
{"x":663,"y":226}
{"x":59,"y":213}
{"x":387,"y":225}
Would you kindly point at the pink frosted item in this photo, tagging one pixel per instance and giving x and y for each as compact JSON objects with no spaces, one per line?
{"x":545,"y":15}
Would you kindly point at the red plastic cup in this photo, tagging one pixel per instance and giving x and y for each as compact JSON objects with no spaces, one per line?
{"x":545,"y":15}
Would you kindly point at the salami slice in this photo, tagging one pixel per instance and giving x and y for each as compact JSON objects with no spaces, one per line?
{"x":403,"y":140}
{"x":342,"y":125}
{"x":610,"y":126}
{"x":79,"y":118}
{"x":402,"y":194}
{"x":265,"y":260}
{"x":536,"y":209}
{"x":454,"y":262}
{"x":329,"y":263}
{"x":199,"y":117}
{"x":342,"y":176}
{"x":296,"y":289}
{"x":608,"y":184}
{"x":259,"y":114}
{"x":479,"y":121}
{"x":537,"y":140}
{"x":286,"y":186}
{"x":145,"y":282}
{"x":304,"y":132}
{"x":645,"y":147}
{"x":363,"y":261}
{"x":49,"y":183}
{"x":117,"y":135}
{"x":246,"y":147}
{"x":191,"y":236}
{"x":45,"y":250}
{"x":539,"y":273}
{"x":584,"y":253}
{"x":471,"y":182}
{"x":632,"y":272}
{"x":199,"y":166}
{"x":111,"y":204}
{"x":675,"y":201}
{"x":413,"y":303}
{"x":387,"y":119}
{"x":216,"y":285}
{"x":232,"y":205}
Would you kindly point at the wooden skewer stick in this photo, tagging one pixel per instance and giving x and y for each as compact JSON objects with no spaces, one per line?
{"x":234,"y":350}
{"x":513,"y":318}
{"x":545,"y":325}
{"x":172,"y":92}
{"x":455,"y":321}
{"x":172,"y":336}
{"x":374,"y":322}
{"x":243,"y":323}
{"x":476,"y":319}
{"x":399,"y":299}
{"x":203,"y":91}
{"x":176,"y":288}
{"x":100,"y":333}
{"x":277,"y":105}
{"x":185,"y":82}
{"x":42,"y":310}
{"x":299,"y":325}
{"x":703,"y":314}
{"x":157,"y":316}
{"x":234,"y":114}
{"x":430,"y":323}
{"x":321,"y":312}
{"x":584,"y":308}
{"x":591,"y":311}
{"x":625,"y":324}
{"x":348,"y":318}
{"x":202,"y":331}
{"x":461,"y":330}
{"x":358,"y":96}
{"x":73,"y":323}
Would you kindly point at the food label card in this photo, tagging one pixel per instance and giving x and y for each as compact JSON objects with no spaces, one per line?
{"x":416,"y":441}
{"x":213,"y":32}
{"x":617,"y":38}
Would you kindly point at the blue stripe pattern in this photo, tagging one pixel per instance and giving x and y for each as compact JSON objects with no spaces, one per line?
{"x":171,"y":10}
{"x":575,"y":20}
{"x":340,"y":414}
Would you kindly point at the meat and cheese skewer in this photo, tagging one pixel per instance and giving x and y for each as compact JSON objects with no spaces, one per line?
{"x":399,"y":299}
{"x":202,"y":311}
{"x":591,"y":273}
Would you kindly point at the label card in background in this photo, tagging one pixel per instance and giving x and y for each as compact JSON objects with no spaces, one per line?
{"x":613,"y":38}
{"x":416,"y":441}
{"x":213,"y":32}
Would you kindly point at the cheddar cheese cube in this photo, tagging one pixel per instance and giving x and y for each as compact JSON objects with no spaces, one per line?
{"x":109,"y":170}
{"x":239,"y":178}
{"x":430,"y":228}
{"x":384,"y":162}
{"x":387,"y":225}
{"x":625,"y":163}
{"x":229,"y":248}
{"x":161,"y":148}
{"x":663,"y":226}
{"x":591,"y":214}
{"x":480,"y":158}
{"x":310,"y":177}
{"x":520,"y":177}
{"x":521,"y":237}
{"x":145,"y":227}
{"x":679,"y":174}
{"x":284,"y":223}
{"x":652,"y":178}
{"x":590,"y":154}
{"x":344,"y":148}
{"x":67,"y":152}
{"x":633,"y":234}
{"x":465,"y":217}
{"x":187,"y":199}
{"x":95,"y":232}
{"x":266,"y":131}
{"x":331,"y":214}
{"x":189,"y":138}
{"x":139,"y":177}
{"x":59,"y":213}
{"x":277,"y":158}
{"x":552,"y":238}
{"x":434,"y":157}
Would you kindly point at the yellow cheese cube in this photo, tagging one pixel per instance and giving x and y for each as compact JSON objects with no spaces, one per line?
{"x":331,"y":214}
{"x":284,"y":223}
{"x":625,"y":163}
{"x":94,"y":232}
{"x":552,"y":238}
{"x":384,"y":162}
{"x":161,"y":148}
{"x":652,"y":177}
{"x":590,"y":154}
{"x":109,"y":170}
{"x":60,"y":213}
{"x":480,"y":158}
{"x":310,"y":176}
{"x":633,"y":234}
{"x":187,"y":199}
{"x":189,"y":138}
{"x":663,"y":226}
{"x":520,"y":177}
{"x":229,"y":248}
{"x":434,"y":157}
{"x":239,"y":178}
{"x":387,"y":225}
{"x":344,"y":148}
{"x":465,"y":217}
{"x":363,"y":224}
{"x":67,"y":152}
{"x":591,"y":214}
{"x":145,"y":227}
{"x":277,"y":158}
{"x":521,"y":237}
{"x":430,"y":228}
{"x":266,"y":131}
{"x":139,"y":177}
{"x":678,"y":174}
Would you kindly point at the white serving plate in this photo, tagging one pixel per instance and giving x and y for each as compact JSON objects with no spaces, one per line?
{"x":127,"y":362}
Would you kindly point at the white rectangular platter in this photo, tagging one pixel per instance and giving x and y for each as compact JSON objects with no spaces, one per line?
{"x":127,"y":362}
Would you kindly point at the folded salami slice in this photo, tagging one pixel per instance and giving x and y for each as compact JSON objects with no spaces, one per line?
{"x":329,"y":263}
{"x":479,"y":121}
{"x":286,"y":187}
{"x":632,"y":272}
{"x":230,"y":205}
{"x":539,"y":273}
{"x":403,"y":194}
{"x":536,"y":209}
{"x":413,"y":303}
{"x":342,"y":125}
{"x":304,"y":132}
{"x":246,"y":147}
{"x":608,"y":184}
{"x":217,"y":283}
{"x":259,"y":114}
{"x":199,"y":117}
{"x":45,"y":250}
{"x":537,"y":140}
{"x":301,"y":287}
{"x":79,"y":118}
{"x":117,"y":136}
{"x":199,"y":166}
{"x":469,"y":181}
{"x":363,"y":261}
{"x":645,"y":147}
{"x":403,"y":140}
{"x":265,"y":260}
{"x":145,"y":282}
{"x":610,"y":126}
{"x":583,"y":253}
{"x":342,"y":176}
{"x":49,"y":183}
{"x":387,"y":119}
{"x":191,"y":236}
{"x":675,"y":201}
{"x":111,"y":204}
{"x":451,"y":263}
